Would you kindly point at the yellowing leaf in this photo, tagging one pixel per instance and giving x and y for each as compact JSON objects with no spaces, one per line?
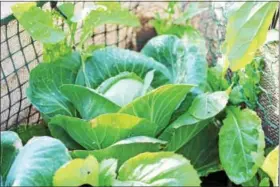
{"x":270,"y":165}
{"x":246,"y":32}
{"x":78,"y":172}
{"x":20,"y":9}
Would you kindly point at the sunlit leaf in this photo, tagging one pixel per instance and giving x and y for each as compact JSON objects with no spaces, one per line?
{"x":271,"y":165}
{"x":37,"y":23}
{"x":241,"y":144}
{"x":78,"y":172}
{"x":247,"y":29}
{"x":158,"y":169}
{"x":37,"y":162}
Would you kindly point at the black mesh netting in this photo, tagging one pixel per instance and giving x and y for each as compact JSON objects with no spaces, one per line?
{"x":20,"y":54}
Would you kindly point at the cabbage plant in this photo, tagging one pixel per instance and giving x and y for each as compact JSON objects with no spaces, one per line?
{"x":124,"y":115}
{"x":33,"y":164}
{"x":123,"y":103}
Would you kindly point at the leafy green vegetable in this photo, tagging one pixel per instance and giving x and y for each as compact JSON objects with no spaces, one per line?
{"x":158,"y":169}
{"x":111,"y":61}
{"x":158,"y":105}
{"x":241,"y":44}
{"x":116,"y":103}
{"x":105,"y":129}
{"x":86,"y":101}
{"x":124,"y":149}
{"x":45,"y":81}
{"x":176,"y":170}
{"x":35,"y":163}
{"x":39,"y":24}
{"x":241,"y":144}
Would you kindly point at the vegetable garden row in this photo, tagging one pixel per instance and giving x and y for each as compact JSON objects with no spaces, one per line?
{"x":158,"y":117}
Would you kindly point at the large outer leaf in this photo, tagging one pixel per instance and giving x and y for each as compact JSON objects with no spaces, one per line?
{"x":37,"y":162}
{"x":202,"y":151}
{"x":45,"y":81}
{"x":105,"y":129}
{"x":78,"y":172}
{"x":124,"y":149}
{"x":112,"y":13}
{"x":241,"y":144}
{"x":182,"y":131}
{"x":186,"y":63}
{"x":246,"y":32}
{"x":271,"y":165}
{"x":168,"y":50}
{"x":208,"y":105}
{"x":196,"y":66}
{"x":159,"y":104}
{"x":159,"y":169}
{"x":111,"y":61}
{"x":10,"y":146}
{"x":87,"y":101}
{"x":39,"y":24}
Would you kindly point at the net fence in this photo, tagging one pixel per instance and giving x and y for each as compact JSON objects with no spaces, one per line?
{"x":20,"y":54}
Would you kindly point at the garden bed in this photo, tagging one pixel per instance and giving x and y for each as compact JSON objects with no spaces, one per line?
{"x":180,"y":106}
